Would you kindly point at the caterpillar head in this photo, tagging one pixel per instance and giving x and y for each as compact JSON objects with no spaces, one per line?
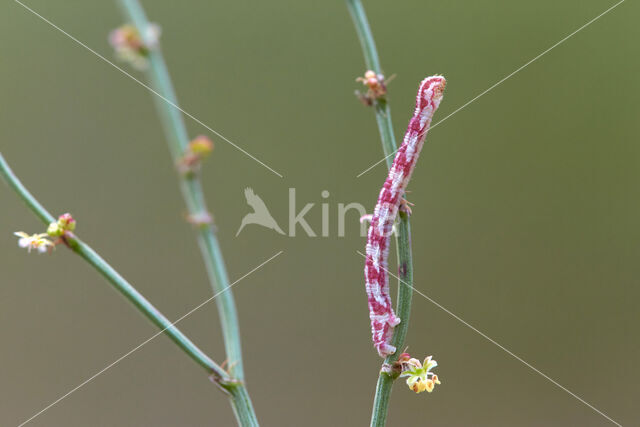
{"x":430,"y":92}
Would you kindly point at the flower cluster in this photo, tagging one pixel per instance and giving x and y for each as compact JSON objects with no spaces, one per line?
{"x":131,"y":47}
{"x":376,"y":87}
{"x":199,"y":148}
{"x":420,"y":377}
{"x":65,"y":224}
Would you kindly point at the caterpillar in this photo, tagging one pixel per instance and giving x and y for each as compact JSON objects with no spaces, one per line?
{"x":383,"y":318}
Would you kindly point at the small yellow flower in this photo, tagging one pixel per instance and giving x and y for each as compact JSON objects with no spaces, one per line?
{"x":430,"y":385}
{"x":417,"y":384}
{"x":420,"y":377}
{"x":38,"y":242}
{"x":201,"y":146}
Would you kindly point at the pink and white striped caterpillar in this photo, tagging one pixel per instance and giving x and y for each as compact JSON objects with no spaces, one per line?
{"x":383,"y":318}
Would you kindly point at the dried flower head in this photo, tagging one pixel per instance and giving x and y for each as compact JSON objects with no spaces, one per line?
{"x":419,"y":376}
{"x":38,"y":242}
{"x":131,"y":47}
{"x":374,"y":82}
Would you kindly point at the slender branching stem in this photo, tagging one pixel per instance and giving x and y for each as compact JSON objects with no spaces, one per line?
{"x":403,"y":239}
{"x":190,"y":185}
{"x":118,"y":282}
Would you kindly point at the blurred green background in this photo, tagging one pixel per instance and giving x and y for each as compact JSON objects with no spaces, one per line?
{"x":526,"y":221}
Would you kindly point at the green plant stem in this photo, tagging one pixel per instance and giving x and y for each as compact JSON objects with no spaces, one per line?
{"x":177,"y":136}
{"x":372,"y":62}
{"x":242,"y":406}
{"x":118,"y":282}
{"x":403,"y":238}
{"x":191,"y":188}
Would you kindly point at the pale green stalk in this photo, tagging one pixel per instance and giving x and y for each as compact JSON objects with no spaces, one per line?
{"x":118,"y":282}
{"x":178,"y":139}
{"x":403,"y":239}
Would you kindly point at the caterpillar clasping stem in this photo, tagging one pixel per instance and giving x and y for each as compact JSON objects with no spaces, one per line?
{"x":390,"y":201}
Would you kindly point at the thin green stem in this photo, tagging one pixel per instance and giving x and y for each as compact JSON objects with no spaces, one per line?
{"x":381,"y":106}
{"x":12,"y":180}
{"x":118,"y":282}
{"x":371,"y":58}
{"x":177,"y":136}
{"x":242,"y":406}
{"x":403,"y":239}
{"x":381,"y":400}
{"x":191,"y":188}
